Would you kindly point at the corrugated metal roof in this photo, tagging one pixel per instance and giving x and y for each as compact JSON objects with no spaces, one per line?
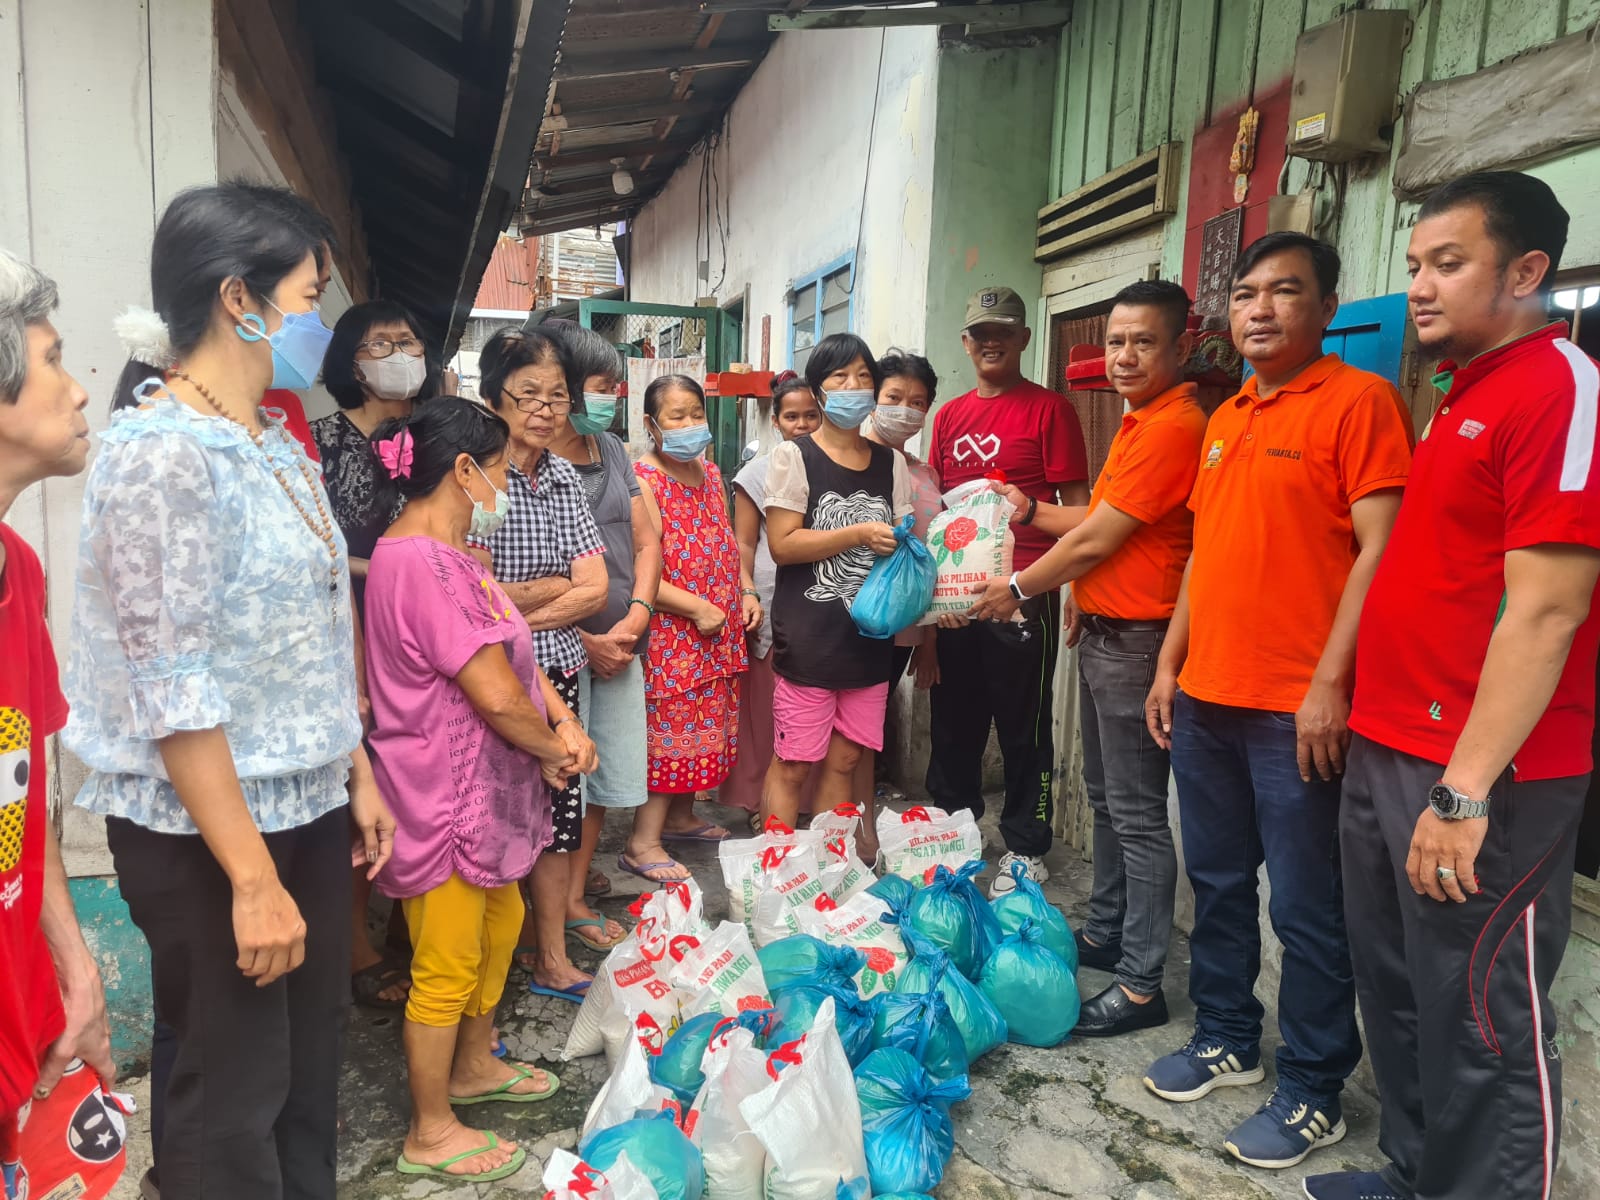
{"x":508,"y":280}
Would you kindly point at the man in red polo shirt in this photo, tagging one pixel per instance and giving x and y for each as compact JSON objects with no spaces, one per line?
{"x":1473,"y":714}
{"x":1001,"y":672}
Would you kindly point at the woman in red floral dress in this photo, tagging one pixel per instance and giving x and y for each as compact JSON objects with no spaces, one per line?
{"x":697,"y":649}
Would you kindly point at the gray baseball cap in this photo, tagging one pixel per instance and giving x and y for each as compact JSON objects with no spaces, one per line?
{"x":995,"y":306}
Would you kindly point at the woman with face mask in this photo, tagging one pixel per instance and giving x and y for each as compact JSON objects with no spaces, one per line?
{"x":831,"y":498}
{"x":706,"y":606}
{"x":463,"y":722}
{"x":213,"y":696}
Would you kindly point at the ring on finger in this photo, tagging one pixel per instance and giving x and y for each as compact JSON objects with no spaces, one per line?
{"x":1444,"y":873}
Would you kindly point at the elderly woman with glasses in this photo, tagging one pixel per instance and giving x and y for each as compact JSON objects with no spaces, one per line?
{"x":549,"y":556}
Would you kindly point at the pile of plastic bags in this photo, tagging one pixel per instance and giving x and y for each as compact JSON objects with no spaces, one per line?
{"x":812,"y":1048}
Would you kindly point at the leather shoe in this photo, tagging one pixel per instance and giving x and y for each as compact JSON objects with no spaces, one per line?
{"x":1101,"y":958}
{"x":1111,"y":1013}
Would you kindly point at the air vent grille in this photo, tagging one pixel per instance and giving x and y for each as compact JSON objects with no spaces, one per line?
{"x":1141,"y":191}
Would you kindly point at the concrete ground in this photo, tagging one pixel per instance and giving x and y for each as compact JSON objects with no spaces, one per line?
{"x":1074,"y":1121}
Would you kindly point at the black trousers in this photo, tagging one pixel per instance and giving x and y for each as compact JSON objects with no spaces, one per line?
{"x":1002,"y":673}
{"x":1456,"y":997}
{"x":251,"y":1101}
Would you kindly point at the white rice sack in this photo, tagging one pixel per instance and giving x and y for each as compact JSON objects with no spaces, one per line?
{"x":971,"y":541}
{"x":747,"y":866}
{"x":626,"y":1093}
{"x":568,"y":1177}
{"x":859,"y":922}
{"x":734,"y":1157}
{"x":918,"y":840}
{"x":721,"y":974}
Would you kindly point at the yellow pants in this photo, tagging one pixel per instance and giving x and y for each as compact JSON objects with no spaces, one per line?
{"x":463,"y":938}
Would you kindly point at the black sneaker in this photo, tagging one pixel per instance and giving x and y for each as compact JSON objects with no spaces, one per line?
{"x":1101,"y":958}
{"x":1111,"y":1013}
{"x":1349,"y":1185}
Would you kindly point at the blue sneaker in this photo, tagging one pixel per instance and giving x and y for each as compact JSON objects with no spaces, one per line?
{"x":1203,"y":1064}
{"x":1285,"y":1129}
{"x":1350,"y":1185}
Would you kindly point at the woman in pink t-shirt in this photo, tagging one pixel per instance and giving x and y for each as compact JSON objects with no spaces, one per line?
{"x":467,"y":735}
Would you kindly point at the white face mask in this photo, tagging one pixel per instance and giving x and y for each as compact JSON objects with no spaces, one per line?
{"x":896,"y":423}
{"x":398,"y":377}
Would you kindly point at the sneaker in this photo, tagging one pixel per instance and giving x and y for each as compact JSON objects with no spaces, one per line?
{"x":1350,"y":1185}
{"x":1004,"y":883}
{"x":1203,"y":1064}
{"x":1285,"y":1129}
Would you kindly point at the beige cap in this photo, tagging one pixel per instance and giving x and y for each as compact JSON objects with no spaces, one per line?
{"x":995,"y":306}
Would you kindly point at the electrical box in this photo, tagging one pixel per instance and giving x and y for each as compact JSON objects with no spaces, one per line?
{"x":1296,"y":213}
{"x":1344,"y":100}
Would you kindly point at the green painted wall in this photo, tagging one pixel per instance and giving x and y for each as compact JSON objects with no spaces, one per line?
{"x":124,"y":960}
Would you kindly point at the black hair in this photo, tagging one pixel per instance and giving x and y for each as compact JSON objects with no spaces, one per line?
{"x":1324,"y":258}
{"x":509,"y":350}
{"x":208,"y":235}
{"x":339,"y":367}
{"x":786,"y":384}
{"x":588,"y":353}
{"x":834,"y":353}
{"x":896,"y":362}
{"x":441,"y":430}
{"x":1161,"y":294}
{"x":663,"y":384}
{"x":1521,"y":213}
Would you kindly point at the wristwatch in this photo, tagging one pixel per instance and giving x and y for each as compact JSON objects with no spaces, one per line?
{"x":1452,"y":805}
{"x":1016,"y":588}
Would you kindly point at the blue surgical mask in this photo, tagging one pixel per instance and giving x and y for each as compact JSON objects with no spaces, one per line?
{"x":685,"y":444}
{"x":598,"y":410}
{"x":298,"y":347}
{"x":847,"y":409}
{"x":486,"y":522}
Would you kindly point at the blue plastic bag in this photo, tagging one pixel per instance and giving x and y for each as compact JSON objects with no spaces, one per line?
{"x":803,"y":959}
{"x":1026,"y":902}
{"x":930,"y":970}
{"x":1032,"y":987}
{"x":894,"y":890}
{"x":852,"y":1016}
{"x":657,"y":1147}
{"x":677,"y":1067}
{"x":952,"y":914}
{"x":905,"y":1121}
{"x":899,"y":587}
{"x":920,"y":1024}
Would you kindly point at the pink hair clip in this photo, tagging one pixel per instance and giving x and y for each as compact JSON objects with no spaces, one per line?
{"x":396,"y":453}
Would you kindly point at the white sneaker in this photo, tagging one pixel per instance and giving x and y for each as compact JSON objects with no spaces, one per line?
{"x":1004,"y":883}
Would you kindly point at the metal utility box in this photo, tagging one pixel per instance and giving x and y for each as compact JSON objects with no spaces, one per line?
{"x":1344,"y":100}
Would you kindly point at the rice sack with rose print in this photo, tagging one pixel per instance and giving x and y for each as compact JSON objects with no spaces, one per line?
{"x":971,"y":542}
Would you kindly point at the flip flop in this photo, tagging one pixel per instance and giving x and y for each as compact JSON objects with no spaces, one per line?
{"x":700,"y":833}
{"x":504,"y":1095}
{"x":367,"y":984}
{"x":439,"y":1170}
{"x":597,"y":884}
{"x":575,"y":993}
{"x":595,"y":944}
{"x":642,"y":870}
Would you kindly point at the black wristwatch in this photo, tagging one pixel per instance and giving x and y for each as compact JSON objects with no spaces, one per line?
{"x":1451,"y":805}
{"x":1033,"y":508}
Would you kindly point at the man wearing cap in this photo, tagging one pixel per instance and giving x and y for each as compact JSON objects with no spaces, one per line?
{"x":993,"y":672}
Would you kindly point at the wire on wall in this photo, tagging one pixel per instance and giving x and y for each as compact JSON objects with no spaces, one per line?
{"x":866,"y":170}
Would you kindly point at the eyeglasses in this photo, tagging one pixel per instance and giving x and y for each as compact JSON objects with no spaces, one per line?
{"x":383,"y":347}
{"x":532,"y":404}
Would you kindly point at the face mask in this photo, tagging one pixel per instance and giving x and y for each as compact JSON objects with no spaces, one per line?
{"x":298,"y":347}
{"x":598,"y":409}
{"x":398,"y":377}
{"x":898,"y":422}
{"x":685,"y":444}
{"x":847,"y":409}
{"x":484,"y":522}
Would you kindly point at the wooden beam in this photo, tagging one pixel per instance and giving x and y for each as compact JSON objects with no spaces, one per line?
{"x":632,"y":114}
{"x":680,"y":90}
{"x":983,"y":18}
{"x":628,"y":151}
{"x":616,"y":66}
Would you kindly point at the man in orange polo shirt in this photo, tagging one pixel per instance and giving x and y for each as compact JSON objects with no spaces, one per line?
{"x":1125,"y":561}
{"x":1298,"y":488}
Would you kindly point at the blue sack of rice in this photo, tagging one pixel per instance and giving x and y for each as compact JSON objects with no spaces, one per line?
{"x":797,"y":1007}
{"x":1033,"y":988}
{"x":930,"y":970}
{"x":952,"y":914}
{"x":920,"y":1024}
{"x":657,"y":1147}
{"x":803,"y":959}
{"x":905,"y":1121}
{"x":894,"y":890}
{"x":1026,"y":902}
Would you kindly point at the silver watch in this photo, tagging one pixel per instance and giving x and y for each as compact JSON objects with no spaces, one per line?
{"x":1453,"y":805}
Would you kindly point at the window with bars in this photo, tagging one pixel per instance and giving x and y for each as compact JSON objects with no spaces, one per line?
{"x":823,"y":303}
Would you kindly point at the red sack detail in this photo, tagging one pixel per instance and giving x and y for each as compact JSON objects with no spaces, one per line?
{"x":917,"y":813}
{"x":788,"y":1054}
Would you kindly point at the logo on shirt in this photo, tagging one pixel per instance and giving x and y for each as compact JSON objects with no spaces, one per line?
{"x":1277,"y":452}
{"x":841,"y":577}
{"x":984,"y":449}
{"x":1470,"y":429}
{"x":1213,"y":457}
{"x":15,"y":743}
{"x":1435,"y":713}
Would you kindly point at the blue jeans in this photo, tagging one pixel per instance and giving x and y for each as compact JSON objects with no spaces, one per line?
{"x":1241,"y":802}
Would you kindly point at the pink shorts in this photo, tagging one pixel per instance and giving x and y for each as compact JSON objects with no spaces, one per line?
{"x":804,"y":718}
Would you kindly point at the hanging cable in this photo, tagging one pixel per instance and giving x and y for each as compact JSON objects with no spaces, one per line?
{"x":866,"y":170}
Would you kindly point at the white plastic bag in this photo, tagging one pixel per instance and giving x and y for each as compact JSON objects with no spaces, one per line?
{"x":921,"y":838}
{"x":721,"y":974}
{"x":842,"y":821}
{"x":748,"y":865}
{"x":859,"y":922}
{"x":734,"y":1157}
{"x":627,"y":1093}
{"x":568,"y":1177}
{"x":631,"y":995}
{"x":844,"y":876}
{"x":794,"y":883}
{"x":808,"y":1117}
{"x":971,"y":542}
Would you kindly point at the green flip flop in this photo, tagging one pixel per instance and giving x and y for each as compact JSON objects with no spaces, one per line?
{"x":504,"y":1095}
{"x":441,"y":1170}
{"x":598,"y":945}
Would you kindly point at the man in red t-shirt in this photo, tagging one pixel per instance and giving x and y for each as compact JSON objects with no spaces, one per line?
{"x":999,"y":672}
{"x":52,"y":1007}
{"x":1473,"y":713}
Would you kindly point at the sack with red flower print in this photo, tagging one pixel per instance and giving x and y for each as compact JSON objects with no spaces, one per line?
{"x":971,"y":542}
